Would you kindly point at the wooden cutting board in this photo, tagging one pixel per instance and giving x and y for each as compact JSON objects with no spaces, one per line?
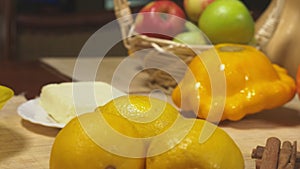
{"x":24,"y":145}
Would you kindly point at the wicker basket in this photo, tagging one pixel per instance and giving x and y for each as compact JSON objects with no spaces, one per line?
{"x":161,"y":48}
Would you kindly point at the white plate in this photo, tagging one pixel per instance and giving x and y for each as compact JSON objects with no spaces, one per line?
{"x":33,"y":112}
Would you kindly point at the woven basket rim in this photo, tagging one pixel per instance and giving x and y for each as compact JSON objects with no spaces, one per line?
{"x":122,"y":10}
{"x":134,"y":42}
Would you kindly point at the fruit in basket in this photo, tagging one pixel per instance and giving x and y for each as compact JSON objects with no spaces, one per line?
{"x":161,"y":19}
{"x":227,"y":21}
{"x":253,"y":83}
{"x":189,"y":26}
{"x":190,"y":38}
{"x":5,"y":94}
{"x":76,"y":145}
{"x":219,"y":151}
{"x":192,"y":35}
{"x":150,"y":116}
{"x":194,"y":8}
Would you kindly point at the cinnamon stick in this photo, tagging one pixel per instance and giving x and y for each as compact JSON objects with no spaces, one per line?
{"x":273,"y":157}
{"x":257,"y":163}
{"x":271,"y":154}
{"x":285,"y":155}
{"x":291,"y":157}
{"x":257,"y":153}
{"x":289,"y":166}
{"x":294,"y":154}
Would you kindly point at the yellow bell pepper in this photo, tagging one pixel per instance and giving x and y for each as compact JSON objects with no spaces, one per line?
{"x":298,"y":81}
{"x":252,"y":82}
{"x":5,"y":94}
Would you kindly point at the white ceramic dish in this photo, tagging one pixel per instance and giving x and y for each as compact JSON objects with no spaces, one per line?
{"x":32,"y":110}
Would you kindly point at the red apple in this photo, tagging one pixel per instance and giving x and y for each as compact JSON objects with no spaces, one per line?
{"x":161,"y":19}
{"x":194,"y":8}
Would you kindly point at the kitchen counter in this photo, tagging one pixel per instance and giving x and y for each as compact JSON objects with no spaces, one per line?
{"x":27,"y":145}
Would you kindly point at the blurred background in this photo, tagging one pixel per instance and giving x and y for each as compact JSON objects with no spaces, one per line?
{"x":30,"y":29}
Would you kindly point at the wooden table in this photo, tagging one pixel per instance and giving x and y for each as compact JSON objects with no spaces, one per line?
{"x":23,"y":144}
{"x":27,"y":145}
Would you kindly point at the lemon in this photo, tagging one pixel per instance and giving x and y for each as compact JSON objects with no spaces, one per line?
{"x":149,"y":115}
{"x":99,"y":140}
{"x":87,"y":141}
{"x":5,"y":94}
{"x":219,"y":151}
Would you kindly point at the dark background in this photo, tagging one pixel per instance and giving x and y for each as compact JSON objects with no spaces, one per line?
{"x":54,"y":28}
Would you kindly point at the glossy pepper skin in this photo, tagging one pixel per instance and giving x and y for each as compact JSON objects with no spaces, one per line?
{"x":253,"y":83}
{"x":298,"y":81}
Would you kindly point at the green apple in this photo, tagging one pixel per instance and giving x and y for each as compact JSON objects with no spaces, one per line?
{"x":190,"y":38}
{"x":227,"y":21}
{"x":189,"y":26}
{"x":194,"y":8}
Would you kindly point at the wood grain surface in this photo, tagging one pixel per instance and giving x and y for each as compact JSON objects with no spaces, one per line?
{"x":24,"y":145}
